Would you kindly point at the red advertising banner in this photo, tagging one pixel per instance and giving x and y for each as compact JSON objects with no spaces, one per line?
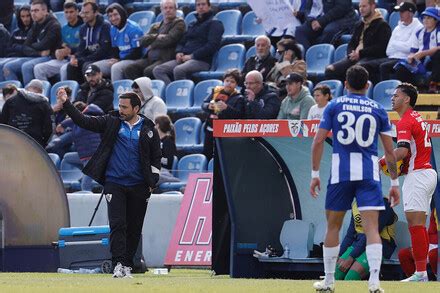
{"x":284,"y":128}
{"x":192,"y":235}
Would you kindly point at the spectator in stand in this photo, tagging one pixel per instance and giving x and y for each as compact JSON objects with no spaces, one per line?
{"x":262,"y":61}
{"x":406,"y":257}
{"x":35,"y":86}
{"x":225,"y":102}
{"x":96,"y":90}
{"x":424,"y":53}
{"x":71,"y":40}
{"x":297,"y":103}
{"x":8,"y":91}
{"x":125,"y":35}
{"x":322,"y":95}
{"x":152,"y":106}
{"x":195,"y":51}
{"x":160,"y":42}
{"x":19,"y":35}
{"x":352,"y":263}
{"x":261,"y":102}
{"x":289,"y":60}
{"x":43,"y":39}
{"x":397,"y":48}
{"x":324,"y":19}
{"x":86,"y":142}
{"x":167,"y":136}
{"x":6,"y":13}
{"x":94,"y":43}
{"x":30,"y":113}
{"x":5,"y":36}
{"x":369,"y":41}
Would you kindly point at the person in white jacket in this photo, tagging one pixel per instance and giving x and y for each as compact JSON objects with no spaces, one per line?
{"x":399,"y":44}
{"x":152,"y":106}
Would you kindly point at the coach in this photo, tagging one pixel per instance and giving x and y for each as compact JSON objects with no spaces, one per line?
{"x":127,"y":164}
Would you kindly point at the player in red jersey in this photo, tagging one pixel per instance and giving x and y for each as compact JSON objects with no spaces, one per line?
{"x":420,"y":183}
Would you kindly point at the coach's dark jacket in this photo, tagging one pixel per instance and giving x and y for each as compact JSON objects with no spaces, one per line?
{"x":109,"y":125}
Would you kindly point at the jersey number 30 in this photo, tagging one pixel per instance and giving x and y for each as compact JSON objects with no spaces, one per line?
{"x":353,"y":129}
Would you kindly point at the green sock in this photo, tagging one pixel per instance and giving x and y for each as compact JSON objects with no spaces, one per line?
{"x":352,"y":276}
{"x":339,"y":275}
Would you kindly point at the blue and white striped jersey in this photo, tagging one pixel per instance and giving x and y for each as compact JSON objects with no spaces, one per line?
{"x":127,"y":38}
{"x":356,"y":122}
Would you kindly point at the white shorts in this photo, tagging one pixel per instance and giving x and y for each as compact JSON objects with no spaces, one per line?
{"x":417,"y":190}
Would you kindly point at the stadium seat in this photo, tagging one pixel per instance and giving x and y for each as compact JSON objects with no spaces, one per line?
{"x":194,"y":163}
{"x":231,"y":20}
{"x":46,"y":88}
{"x":179,"y":13}
{"x":120,"y":87}
{"x":179,"y":95}
{"x":369,"y":91}
{"x":229,"y":56}
{"x":55,"y":159}
{"x":299,"y":247}
{"x":345,"y":39}
{"x":309,"y":84}
{"x":14,"y":24}
{"x":252,"y":51}
{"x":158,"y":87}
{"x":383,"y":91}
{"x":228,"y":4}
{"x":59,"y":15}
{"x":317,"y":59}
{"x":143,"y":18}
{"x":190,"y":17}
{"x":70,"y":171}
{"x":335,"y":86}
{"x":403,"y":239}
{"x":394,"y":19}
{"x":211,"y":165}
{"x":72,"y":84}
{"x":384,"y":13}
{"x":201,"y":91}
{"x":249,"y":28}
{"x":174,"y":166}
{"x":14,"y":82}
{"x":144,"y":5}
{"x":340,"y":52}
{"x":187,"y":133}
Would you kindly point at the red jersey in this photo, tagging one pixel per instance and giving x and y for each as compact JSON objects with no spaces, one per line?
{"x":412,"y":129}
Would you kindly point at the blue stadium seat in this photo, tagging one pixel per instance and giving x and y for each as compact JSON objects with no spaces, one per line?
{"x":345,"y":39}
{"x":229,"y":56}
{"x":211,"y":165}
{"x":46,"y":88}
{"x":55,"y":159}
{"x":369,"y":91}
{"x":179,"y":13}
{"x":229,"y":4}
{"x":144,"y":5}
{"x":174,"y":166}
{"x":14,"y":82}
{"x":340,"y":52}
{"x":187,"y":133}
{"x":194,"y":163}
{"x":309,"y":84}
{"x":231,"y":20}
{"x":179,"y":95}
{"x":335,"y":86}
{"x":201,"y":91}
{"x":72,"y":84}
{"x":143,"y":18}
{"x":317,"y":59}
{"x":249,"y":28}
{"x":394,"y":19}
{"x":70,"y":171}
{"x":59,"y":15}
{"x":299,"y":247}
{"x":158,"y":87}
{"x":384,"y":13}
{"x":120,"y":87}
{"x":190,"y":17}
{"x":14,"y":24}
{"x":383,"y":91}
{"x":252,"y":51}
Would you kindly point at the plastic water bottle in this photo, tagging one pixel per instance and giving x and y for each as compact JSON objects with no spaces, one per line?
{"x":286,"y":252}
{"x":64,"y":271}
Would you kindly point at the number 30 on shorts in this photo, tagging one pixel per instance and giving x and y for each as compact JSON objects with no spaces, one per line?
{"x":355,"y":131}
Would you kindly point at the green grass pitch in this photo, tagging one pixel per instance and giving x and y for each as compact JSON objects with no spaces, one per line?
{"x":181,"y":280}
